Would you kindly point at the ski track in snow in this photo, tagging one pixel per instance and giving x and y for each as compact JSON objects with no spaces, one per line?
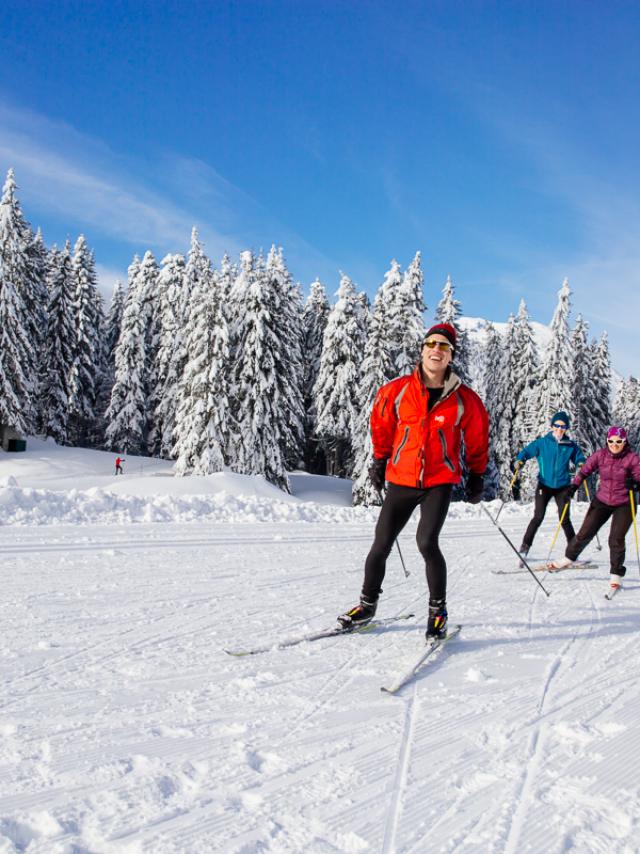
{"x":125,"y":728}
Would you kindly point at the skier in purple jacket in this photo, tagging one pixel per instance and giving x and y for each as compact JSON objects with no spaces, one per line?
{"x":619,"y":469}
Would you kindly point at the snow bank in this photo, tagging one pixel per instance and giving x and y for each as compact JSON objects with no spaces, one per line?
{"x":50,"y":485}
{"x":100,"y":506}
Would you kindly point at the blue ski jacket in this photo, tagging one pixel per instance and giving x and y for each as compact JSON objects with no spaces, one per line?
{"x":554,"y":459}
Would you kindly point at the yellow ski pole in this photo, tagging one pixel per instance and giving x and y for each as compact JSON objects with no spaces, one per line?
{"x":513,"y":480}
{"x":562,"y":515}
{"x":586,"y":489}
{"x":635,"y":525}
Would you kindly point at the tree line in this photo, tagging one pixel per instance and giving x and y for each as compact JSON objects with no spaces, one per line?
{"x":231,"y":367}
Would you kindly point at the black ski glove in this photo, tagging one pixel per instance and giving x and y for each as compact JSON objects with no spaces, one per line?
{"x":475,"y":488}
{"x":377,"y":471}
{"x":630,"y":483}
{"x":571,"y":492}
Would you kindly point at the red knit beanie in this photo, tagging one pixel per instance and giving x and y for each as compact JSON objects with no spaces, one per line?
{"x":444,"y":329}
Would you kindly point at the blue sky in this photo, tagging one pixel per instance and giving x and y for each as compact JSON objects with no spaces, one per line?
{"x":499,"y":138}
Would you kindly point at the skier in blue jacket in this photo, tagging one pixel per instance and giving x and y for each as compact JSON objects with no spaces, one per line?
{"x":557,"y":457}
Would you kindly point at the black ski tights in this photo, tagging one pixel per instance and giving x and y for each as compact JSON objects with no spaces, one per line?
{"x":399,"y":503}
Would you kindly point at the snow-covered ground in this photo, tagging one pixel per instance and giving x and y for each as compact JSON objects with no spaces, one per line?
{"x":125,"y":727}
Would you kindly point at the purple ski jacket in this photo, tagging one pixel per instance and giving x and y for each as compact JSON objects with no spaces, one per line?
{"x":614,"y":469}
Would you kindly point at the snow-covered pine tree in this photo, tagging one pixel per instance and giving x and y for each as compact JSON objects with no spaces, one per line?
{"x":109,"y":342}
{"x":40,"y":262}
{"x":87,"y":347}
{"x":376,"y":370}
{"x":201,"y":423}
{"x":59,"y":347}
{"x":555,"y":387}
{"x":227,"y":275}
{"x":314,"y":322}
{"x":128,"y":415}
{"x":21,"y":314}
{"x":257,"y":364}
{"x":580,"y":398}
{"x":524,"y":368}
{"x":448,"y":310}
{"x":170,"y":355}
{"x":336,"y":388}
{"x":289,"y":378}
{"x":494,"y":400}
{"x":506,"y":445}
{"x":600,"y":393}
{"x":406,"y":315}
{"x":627,"y":410}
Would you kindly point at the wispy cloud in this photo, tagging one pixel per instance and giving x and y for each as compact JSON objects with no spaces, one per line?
{"x":599,"y":200}
{"x":79,"y":180}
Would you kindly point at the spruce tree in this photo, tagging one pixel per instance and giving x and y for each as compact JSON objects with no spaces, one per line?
{"x":627,"y":410}
{"x":128,"y":413}
{"x":22,"y":314}
{"x":494,"y":397}
{"x":288,"y":309}
{"x":109,"y":342}
{"x":582,"y":378}
{"x":406,"y":316}
{"x":336,"y":388}
{"x":201,"y":427}
{"x":448,"y":310}
{"x":314,"y":322}
{"x":505,"y":443}
{"x":556,"y":374}
{"x":170,"y":354}
{"x":600,"y":403}
{"x":523,"y":368}
{"x":87,"y":349}
{"x":59,"y":348}
{"x":376,"y":371}
{"x":258,"y":365}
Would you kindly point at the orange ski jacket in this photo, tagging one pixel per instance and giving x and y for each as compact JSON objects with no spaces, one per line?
{"x":423,"y":448}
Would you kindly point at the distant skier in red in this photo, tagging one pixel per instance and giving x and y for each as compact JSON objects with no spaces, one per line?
{"x":119,"y":462}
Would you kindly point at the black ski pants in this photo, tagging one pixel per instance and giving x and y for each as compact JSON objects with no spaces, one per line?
{"x":397,"y":507}
{"x":544,"y":494}
{"x":597,"y":514}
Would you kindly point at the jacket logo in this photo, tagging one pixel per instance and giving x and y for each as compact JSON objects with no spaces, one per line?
{"x":440,"y":419}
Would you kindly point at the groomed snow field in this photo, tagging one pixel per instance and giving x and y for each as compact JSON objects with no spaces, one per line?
{"x":126,"y":727}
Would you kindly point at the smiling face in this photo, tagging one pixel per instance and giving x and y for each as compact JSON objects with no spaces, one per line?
{"x":558,"y":428}
{"x":437,"y":354}
{"x":615,"y":444}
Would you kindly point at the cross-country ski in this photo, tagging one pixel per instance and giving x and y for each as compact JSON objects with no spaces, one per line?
{"x":433,"y":648}
{"x":546,"y":566}
{"x":333,"y":632}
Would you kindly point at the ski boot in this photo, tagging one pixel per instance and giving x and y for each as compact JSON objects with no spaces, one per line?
{"x":437,"y":623}
{"x":615,"y":581}
{"x":523,"y":551}
{"x":360,"y":615}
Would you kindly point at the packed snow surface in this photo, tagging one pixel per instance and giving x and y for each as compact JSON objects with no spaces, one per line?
{"x":126,"y":727}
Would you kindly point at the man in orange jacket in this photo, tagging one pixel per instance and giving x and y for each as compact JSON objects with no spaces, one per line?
{"x":417,"y":425}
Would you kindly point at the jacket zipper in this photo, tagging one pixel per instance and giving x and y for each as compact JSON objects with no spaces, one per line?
{"x":396,"y":456}
{"x":445,"y":456}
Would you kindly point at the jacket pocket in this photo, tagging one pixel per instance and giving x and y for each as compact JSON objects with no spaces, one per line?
{"x":445,"y":455}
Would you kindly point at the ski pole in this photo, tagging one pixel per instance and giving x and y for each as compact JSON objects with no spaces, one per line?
{"x":635,"y":525}
{"x":520,"y":558}
{"x":586,"y":489}
{"x":513,"y":480}
{"x":404,"y":566}
{"x":406,"y":571}
{"x":555,"y":537}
